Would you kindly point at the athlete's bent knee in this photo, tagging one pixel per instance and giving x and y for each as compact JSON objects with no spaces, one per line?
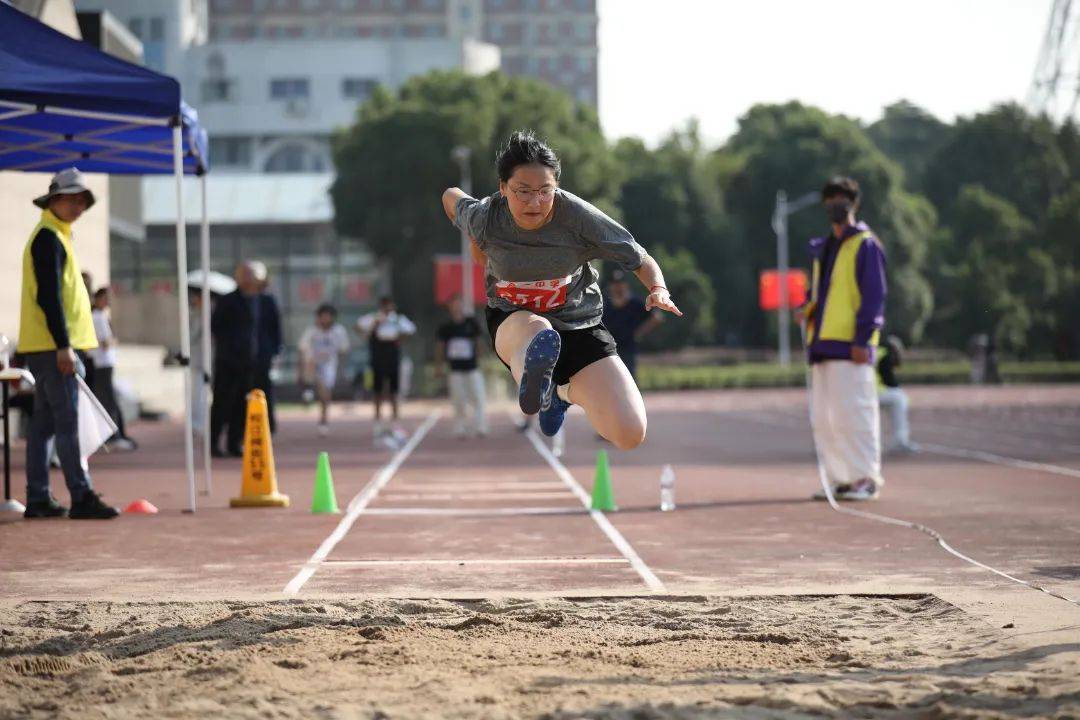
{"x":629,"y":435}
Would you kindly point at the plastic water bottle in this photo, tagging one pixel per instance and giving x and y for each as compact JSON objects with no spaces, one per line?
{"x":667,"y":489}
{"x":5,"y":352}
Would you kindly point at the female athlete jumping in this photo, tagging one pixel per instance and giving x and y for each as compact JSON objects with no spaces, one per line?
{"x":544,"y":304}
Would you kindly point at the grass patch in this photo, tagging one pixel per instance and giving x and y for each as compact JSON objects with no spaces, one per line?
{"x":765,"y":375}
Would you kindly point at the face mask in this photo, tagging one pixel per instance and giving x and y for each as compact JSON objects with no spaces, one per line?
{"x":838,"y":210}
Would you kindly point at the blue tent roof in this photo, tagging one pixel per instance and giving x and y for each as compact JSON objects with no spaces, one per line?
{"x":65,"y":103}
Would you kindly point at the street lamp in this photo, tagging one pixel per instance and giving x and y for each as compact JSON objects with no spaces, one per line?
{"x":462,"y":156}
{"x":781,"y":213}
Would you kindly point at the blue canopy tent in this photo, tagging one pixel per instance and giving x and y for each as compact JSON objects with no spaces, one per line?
{"x":64,"y":103}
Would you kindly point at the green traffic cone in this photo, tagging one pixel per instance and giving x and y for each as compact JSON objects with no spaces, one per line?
{"x":603,"y":497}
{"x":323,"y":499}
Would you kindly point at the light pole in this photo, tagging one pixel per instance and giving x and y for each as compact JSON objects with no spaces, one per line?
{"x":781,"y":213}
{"x":462,"y":155}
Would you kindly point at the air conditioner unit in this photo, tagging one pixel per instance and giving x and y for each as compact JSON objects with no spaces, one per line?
{"x":297,"y":107}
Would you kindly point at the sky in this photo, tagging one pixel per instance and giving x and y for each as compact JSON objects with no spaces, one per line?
{"x":664,"y":62}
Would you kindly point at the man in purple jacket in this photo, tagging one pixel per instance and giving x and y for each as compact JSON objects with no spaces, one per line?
{"x":843,"y":321}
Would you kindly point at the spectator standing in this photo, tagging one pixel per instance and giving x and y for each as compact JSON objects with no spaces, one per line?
{"x":456,"y":351}
{"x":843,"y":321}
{"x":104,"y":358}
{"x":55,"y":322}
{"x":384,"y":330}
{"x":321,"y":347}
{"x":892,"y":397}
{"x":627,"y":320}
{"x":246,"y":327}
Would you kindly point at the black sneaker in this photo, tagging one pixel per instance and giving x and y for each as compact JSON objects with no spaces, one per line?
{"x":90,"y":507}
{"x":48,"y":509}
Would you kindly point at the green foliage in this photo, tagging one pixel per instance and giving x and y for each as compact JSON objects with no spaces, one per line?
{"x":1011,"y":153}
{"x":910,"y":136}
{"x":693,"y":293}
{"x":758,"y":375}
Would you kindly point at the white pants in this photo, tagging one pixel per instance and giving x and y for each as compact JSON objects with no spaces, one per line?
{"x":895,"y":400}
{"x":844,"y":415}
{"x":467,"y":389}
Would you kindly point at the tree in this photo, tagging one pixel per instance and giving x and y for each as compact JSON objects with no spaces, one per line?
{"x":1014,"y":155}
{"x":693,"y":292}
{"x":395,"y":161}
{"x":911,"y":137}
{"x":986,"y":272}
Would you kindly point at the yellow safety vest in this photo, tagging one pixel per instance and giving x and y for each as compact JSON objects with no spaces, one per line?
{"x":34,"y":334}
{"x":844,"y":298}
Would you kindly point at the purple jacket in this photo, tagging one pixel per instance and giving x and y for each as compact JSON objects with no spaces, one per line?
{"x":870,"y":277}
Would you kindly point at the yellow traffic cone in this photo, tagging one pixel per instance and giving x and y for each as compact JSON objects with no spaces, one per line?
{"x":259,"y":485}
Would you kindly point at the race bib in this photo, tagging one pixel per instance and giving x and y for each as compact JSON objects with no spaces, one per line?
{"x":538,"y":295}
{"x":459,"y":349}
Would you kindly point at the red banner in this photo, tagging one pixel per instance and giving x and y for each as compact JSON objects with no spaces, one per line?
{"x":448,"y":280}
{"x":769,"y":288}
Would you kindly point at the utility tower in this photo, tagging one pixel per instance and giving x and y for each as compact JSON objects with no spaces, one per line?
{"x":1055,"y":88}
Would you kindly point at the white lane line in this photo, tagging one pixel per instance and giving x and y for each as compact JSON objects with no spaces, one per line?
{"x":358,"y":503}
{"x":402,"y":486}
{"x":480,"y":561}
{"x":1000,"y":459}
{"x":979,"y":433}
{"x":477,"y":512}
{"x":403,"y":496}
{"x":601,"y":520}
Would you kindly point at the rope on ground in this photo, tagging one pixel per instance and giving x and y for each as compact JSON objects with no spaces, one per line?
{"x":926,"y":530}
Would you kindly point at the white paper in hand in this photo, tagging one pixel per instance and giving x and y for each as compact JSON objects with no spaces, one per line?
{"x":95,"y":425}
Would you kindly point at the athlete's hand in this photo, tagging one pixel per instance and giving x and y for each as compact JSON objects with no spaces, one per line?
{"x":661,"y":298}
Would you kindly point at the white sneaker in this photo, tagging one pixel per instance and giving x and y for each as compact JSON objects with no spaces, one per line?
{"x":864,"y":489}
{"x":323,"y":430}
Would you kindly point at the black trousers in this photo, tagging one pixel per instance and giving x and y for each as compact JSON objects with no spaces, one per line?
{"x":228,"y":413}
{"x":106,"y":393}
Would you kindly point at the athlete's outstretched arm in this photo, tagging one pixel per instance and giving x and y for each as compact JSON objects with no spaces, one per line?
{"x":652,"y":277}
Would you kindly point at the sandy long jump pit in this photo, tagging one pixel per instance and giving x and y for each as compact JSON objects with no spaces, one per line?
{"x":632,"y":658}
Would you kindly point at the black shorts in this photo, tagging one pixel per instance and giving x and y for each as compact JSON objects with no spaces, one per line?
{"x":580,"y":348}
{"x":385,"y":377}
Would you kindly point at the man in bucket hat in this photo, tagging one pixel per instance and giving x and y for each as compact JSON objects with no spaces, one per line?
{"x":55,"y":321}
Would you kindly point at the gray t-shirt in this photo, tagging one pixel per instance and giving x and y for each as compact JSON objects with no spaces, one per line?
{"x":547,"y":270}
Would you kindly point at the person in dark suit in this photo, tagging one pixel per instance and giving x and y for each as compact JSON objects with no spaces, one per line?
{"x":246,"y":326}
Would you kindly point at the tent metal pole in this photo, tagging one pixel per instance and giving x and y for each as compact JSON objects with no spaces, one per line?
{"x":185,"y":320}
{"x":204,"y":253}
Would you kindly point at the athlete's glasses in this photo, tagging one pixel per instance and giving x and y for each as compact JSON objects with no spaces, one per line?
{"x":526,"y":195}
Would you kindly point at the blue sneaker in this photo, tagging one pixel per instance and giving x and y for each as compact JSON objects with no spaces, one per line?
{"x":540,"y":358}
{"x":551,"y":417}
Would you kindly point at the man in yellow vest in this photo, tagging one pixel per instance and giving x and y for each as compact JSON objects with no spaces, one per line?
{"x":843,"y":321}
{"x":55,"y":322}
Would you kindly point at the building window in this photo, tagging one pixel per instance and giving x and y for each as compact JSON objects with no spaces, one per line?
{"x":217,"y":90}
{"x":230,"y":152}
{"x":358,"y":88}
{"x":585,"y":32}
{"x":289,"y":88}
{"x":347,"y":5}
{"x":294,"y":158}
{"x":135,"y":25}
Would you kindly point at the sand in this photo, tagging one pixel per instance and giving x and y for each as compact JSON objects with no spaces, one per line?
{"x":769,"y":657}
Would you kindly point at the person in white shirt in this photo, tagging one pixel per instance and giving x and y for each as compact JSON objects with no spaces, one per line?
{"x":321,"y":346}
{"x":385,"y":330}
{"x":104,"y":357}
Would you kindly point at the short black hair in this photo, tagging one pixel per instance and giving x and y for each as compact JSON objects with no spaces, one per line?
{"x":386,"y":300}
{"x":841,"y":185}
{"x":524,"y":148}
{"x":101,"y":292}
{"x":326,"y":308}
